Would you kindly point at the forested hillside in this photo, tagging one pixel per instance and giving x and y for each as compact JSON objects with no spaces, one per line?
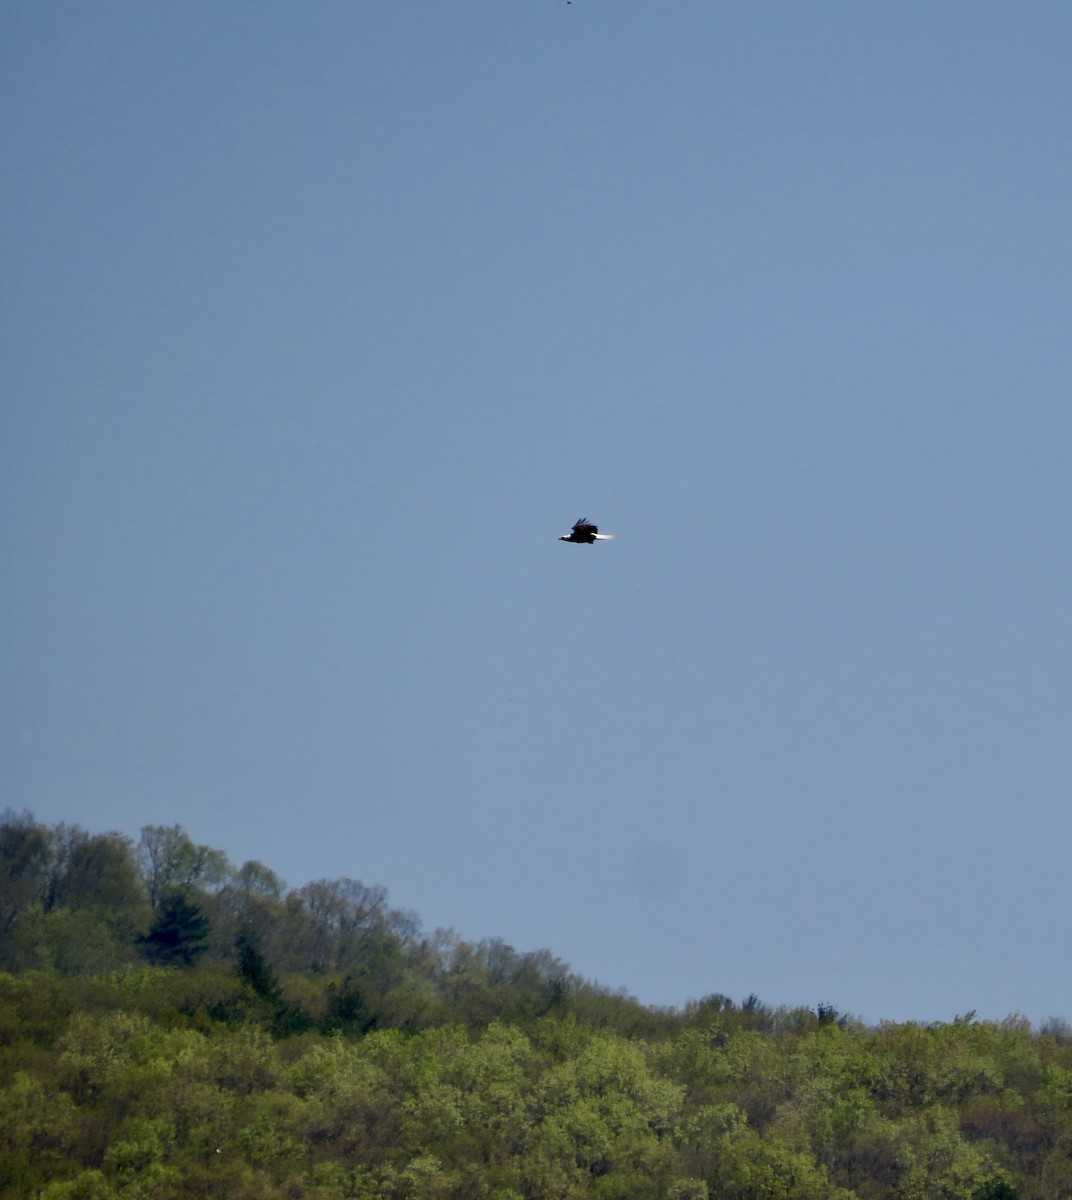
{"x":173,"y":1026}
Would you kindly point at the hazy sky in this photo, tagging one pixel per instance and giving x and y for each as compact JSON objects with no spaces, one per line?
{"x":322,"y":321}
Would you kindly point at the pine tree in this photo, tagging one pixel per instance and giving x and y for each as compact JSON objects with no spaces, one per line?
{"x":177,"y":936}
{"x":253,"y":967}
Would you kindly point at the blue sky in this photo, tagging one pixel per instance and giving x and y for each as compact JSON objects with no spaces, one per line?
{"x":321,"y":322}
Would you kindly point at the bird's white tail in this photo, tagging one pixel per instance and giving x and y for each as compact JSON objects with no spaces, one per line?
{"x":603,"y":537}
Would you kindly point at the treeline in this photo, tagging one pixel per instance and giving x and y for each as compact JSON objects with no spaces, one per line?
{"x":172,"y":1026}
{"x":329,"y":955}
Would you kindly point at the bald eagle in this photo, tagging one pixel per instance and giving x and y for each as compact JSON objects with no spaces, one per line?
{"x":586,"y":533}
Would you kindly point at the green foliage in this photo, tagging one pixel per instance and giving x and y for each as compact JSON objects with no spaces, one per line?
{"x":24,"y":860}
{"x":170,"y":1029}
{"x":71,"y":941}
{"x":170,"y":861}
{"x":86,"y":1185}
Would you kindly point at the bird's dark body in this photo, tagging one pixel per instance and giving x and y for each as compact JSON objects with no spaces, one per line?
{"x":582,"y":533}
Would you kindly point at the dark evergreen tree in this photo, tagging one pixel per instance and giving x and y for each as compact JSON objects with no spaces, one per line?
{"x":997,"y":1189}
{"x":177,"y":937}
{"x":253,"y":967}
{"x":348,"y":1007}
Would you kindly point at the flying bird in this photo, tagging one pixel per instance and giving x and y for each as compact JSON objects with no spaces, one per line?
{"x":586,"y":533}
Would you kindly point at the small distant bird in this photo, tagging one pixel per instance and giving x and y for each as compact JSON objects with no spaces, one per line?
{"x":586,"y":533}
